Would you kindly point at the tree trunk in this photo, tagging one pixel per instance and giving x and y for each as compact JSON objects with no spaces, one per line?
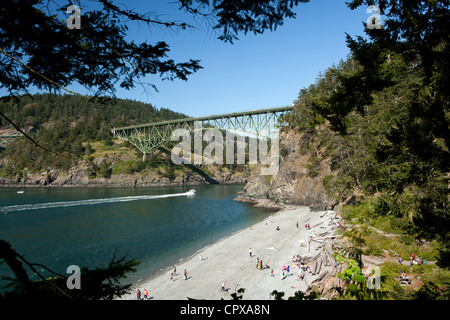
{"x":10,"y":257}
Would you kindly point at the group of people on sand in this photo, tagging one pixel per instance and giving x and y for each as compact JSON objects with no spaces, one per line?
{"x":138,"y":295}
{"x":172,"y":275}
{"x":285,"y":272}
{"x":259,"y":264}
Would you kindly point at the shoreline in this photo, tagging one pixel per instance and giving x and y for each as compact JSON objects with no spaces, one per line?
{"x":184,"y":259}
{"x":228,"y":260}
{"x":100,"y":185}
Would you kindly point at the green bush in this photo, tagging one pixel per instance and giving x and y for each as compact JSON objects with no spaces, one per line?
{"x":373,"y":250}
{"x":128,"y":167}
{"x":105,"y":169}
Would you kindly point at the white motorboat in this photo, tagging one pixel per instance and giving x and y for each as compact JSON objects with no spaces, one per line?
{"x":20,"y":191}
{"x":191,"y":192}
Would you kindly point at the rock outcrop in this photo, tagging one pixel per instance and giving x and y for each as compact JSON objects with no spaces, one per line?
{"x":78,"y":177}
{"x":292,"y":184}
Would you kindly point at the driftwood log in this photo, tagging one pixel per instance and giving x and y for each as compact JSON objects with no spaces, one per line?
{"x":308,"y":243}
{"x":321,"y":277}
{"x":322,"y":264}
{"x":317,"y":224}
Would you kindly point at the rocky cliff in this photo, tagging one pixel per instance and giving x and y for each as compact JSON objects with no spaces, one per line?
{"x":293,"y":184}
{"x":78,"y":177}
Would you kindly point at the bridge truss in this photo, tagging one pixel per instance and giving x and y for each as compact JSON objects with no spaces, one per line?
{"x":149,"y":137}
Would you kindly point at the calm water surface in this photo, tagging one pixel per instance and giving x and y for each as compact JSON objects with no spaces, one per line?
{"x":58,"y":227}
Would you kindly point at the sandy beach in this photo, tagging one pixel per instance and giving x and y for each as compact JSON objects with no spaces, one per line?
{"x":229,"y":261}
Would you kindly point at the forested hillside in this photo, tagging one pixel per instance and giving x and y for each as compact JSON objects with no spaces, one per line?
{"x":394,"y":171}
{"x":42,"y":108}
{"x":382,"y":121}
{"x":67,"y":125}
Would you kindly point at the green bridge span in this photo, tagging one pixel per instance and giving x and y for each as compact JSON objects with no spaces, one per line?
{"x":151,"y":136}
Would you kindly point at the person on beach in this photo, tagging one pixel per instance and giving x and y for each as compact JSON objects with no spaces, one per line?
{"x":185,"y":274}
{"x":257,"y":263}
{"x":138,"y":294}
{"x":175,"y":271}
{"x":250,"y":252}
{"x":171,"y":276}
{"x":299,"y":273}
{"x":223,"y":287}
{"x":271,"y":273}
{"x":145,"y":294}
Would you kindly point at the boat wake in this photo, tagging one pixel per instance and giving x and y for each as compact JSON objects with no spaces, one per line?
{"x":89,"y":202}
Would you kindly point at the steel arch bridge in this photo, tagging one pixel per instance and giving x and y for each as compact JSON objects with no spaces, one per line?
{"x":151,"y":136}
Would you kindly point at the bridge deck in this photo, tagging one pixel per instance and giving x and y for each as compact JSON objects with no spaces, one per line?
{"x":213,"y":117}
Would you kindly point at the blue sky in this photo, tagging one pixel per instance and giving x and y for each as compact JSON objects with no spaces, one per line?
{"x":255,"y":72}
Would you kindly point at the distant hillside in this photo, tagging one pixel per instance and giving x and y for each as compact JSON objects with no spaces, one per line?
{"x":64,"y":123}
{"x":84,"y":152}
{"x":43,"y":110}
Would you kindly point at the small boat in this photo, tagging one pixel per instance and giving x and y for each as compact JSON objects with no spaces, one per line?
{"x":20,"y":191}
{"x":192,"y":191}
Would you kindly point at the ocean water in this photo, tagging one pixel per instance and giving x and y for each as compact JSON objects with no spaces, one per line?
{"x":160,"y":226}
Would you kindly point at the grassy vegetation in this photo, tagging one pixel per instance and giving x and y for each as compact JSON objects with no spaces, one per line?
{"x":431,"y":282}
{"x":381,"y":235}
